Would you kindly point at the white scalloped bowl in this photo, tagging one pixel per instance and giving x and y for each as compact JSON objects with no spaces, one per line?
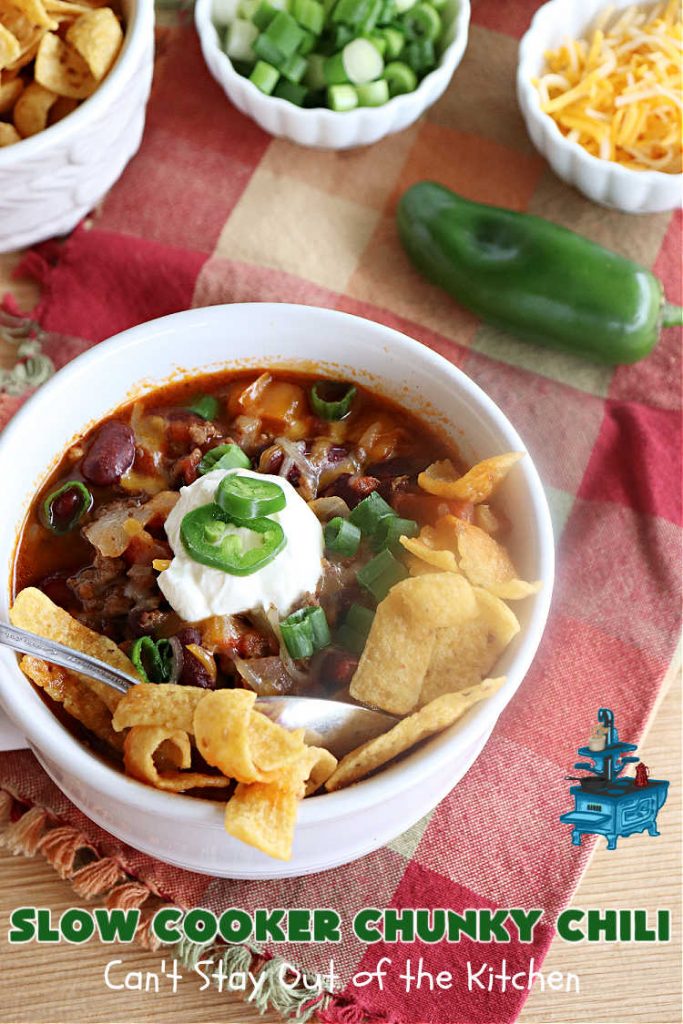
{"x":333,"y":828}
{"x":50,"y":181}
{"x":330,"y":129}
{"x":603,"y":181}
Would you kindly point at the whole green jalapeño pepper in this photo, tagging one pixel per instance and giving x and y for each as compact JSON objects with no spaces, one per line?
{"x":533,"y":278}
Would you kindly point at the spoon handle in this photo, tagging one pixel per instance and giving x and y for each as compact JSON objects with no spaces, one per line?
{"x":58,"y":654}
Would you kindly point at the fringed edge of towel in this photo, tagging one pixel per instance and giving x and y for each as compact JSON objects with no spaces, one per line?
{"x":27,"y":830}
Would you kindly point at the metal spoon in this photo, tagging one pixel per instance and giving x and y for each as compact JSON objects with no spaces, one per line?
{"x":328,"y":723}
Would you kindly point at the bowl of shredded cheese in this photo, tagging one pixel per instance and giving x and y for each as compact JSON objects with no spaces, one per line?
{"x":600,"y":91}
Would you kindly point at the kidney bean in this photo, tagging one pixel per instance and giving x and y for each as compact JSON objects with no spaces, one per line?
{"x":189,"y":635}
{"x":193,"y":672}
{"x":110,"y":455}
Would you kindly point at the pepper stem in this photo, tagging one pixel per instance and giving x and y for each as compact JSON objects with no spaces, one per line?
{"x":672,"y":316}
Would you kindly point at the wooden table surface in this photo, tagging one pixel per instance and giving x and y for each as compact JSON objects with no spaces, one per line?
{"x":620,"y":984}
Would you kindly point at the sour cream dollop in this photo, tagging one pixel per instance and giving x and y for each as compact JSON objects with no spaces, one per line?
{"x":197,"y":591}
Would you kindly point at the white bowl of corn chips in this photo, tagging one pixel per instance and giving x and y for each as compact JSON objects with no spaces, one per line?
{"x":74,"y":81}
{"x":599,"y":86}
{"x":373,"y":795}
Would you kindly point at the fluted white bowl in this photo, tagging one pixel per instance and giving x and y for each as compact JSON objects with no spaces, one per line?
{"x":329,"y":129}
{"x":51,"y":180}
{"x":603,"y":181}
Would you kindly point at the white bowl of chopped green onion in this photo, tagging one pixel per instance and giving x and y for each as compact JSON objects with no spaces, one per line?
{"x":333,"y":73}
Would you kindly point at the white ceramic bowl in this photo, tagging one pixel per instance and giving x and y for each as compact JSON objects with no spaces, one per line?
{"x":50,"y":181}
{"x":328,"y":129}
{"x":333,"y":828}
{"x":603,"y":181}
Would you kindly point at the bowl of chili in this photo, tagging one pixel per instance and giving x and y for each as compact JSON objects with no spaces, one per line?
{"x":298,"y":346}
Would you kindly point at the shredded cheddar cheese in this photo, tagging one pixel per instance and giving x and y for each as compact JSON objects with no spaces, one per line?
{"x":618,"y":91}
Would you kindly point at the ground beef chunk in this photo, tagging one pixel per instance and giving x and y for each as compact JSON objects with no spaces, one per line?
{"x":352,"y":488}
{"x":186,"y":469}
{"x":110,"y":594}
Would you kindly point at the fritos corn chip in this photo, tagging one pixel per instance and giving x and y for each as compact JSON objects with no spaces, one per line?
{"x":10,"y":50}
{"x":32,"y":109}
{"x":8,"y":134}
{"x":169,"y":706}
{"x":476,"y":485}
{"x":436,"y":716}
{"x":71,"y":47}
{"x":97,"y":36}
{"x":243,"y":743}
{"x":10,"y":91}
{"x":486,"y":563}
{"x":34,"y":611}
{"x":398,"y":650}
{"x":141,"y":744}
{"x":321,"y":769}
{"x":440,"y":559}
{"x":60,"y":68}
{"x":463,"y":655}
{"x":66,"y":689}
{"x":264,"y":814}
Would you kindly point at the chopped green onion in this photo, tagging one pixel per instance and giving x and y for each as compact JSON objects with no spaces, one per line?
{"x":246,"y":497}
{"x":239,"y":40}
{"x":354,"y":631}
{"x":373,"y":94}
{"x":64,"y":508}
{"x":206,"y":406}
{"x":400,"y":78}
{"x":362,"y":62}
{"x":248,"y":8}
{"x":422,"y":22}
{"x":420,"y":55}
{"x":379,"y":42}
{"x":388,"y":531}
{"x":309,"y":14}
{"x":224,"y":456}
{"x":339,"y":36}
{"x":395,"y":41}
{"x":337,"y":406}
{"x":153,"y":659}
{"x":369,"y":22}
{"x":315,"y":74}
{"x":342,"y":97}
{"x":290,"y":91}
{"x":351,"y":12}
{"x":264,"y":76}
{"x":307,"y":44}
{"x":387,"y":14}
{"x":335,"y":72}
{"x":380,"y":574}
{"x":294,"y":69}
{"x":268,"y":52}
{"x":305,"y":631}
{"x":368,"y":513}
{"x":224,"y":12}
{"x":342,"y":537}
{"x":284,"y":33}
{"x":403,"y":5}
{"x":264,"y":15}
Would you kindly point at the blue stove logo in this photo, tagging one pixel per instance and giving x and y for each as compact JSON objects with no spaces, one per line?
{"x":605,"y":804}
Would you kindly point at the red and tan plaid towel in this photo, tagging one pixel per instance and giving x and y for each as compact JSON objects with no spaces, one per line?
{"x":213,"y":210}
